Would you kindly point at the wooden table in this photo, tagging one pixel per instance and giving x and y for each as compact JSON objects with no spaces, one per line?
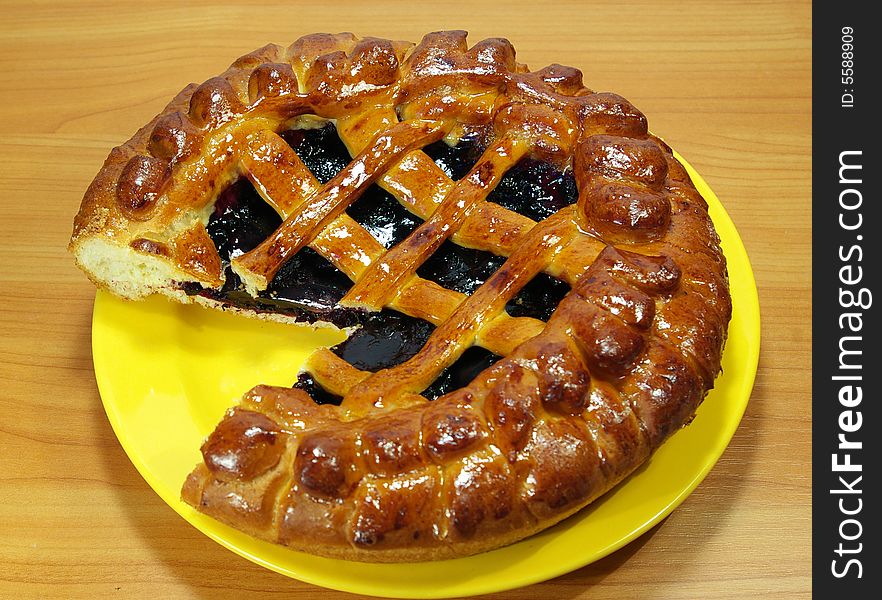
{"x":726,"y":83}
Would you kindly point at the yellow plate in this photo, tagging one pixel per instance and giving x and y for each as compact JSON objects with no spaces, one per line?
{"x":168,"y":372}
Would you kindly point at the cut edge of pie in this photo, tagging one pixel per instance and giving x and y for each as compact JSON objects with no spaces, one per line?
{"x":574,"y":404}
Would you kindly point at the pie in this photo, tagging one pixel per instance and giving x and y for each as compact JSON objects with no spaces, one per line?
{"x":534,"y":293}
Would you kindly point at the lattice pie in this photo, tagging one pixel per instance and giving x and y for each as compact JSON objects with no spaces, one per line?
{"x":535,"y":295}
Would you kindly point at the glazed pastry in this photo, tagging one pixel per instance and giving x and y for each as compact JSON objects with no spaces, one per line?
{"x":535,"y":294}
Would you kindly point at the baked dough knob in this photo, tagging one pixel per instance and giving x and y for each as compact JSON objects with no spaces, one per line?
{"x":563,"y":378}
{"x":625,"y":214}
{"x":442,"y":58}
{"x":396,"y":512}
{"x":315,"y":509}
{"x":374,"y":61}
{"x":621,"y":188}
{"x":305,"y":50}
{"x":390,"y":444}
{"x":214,"y":103}
{"x":549,"y":133}
{"x":613,"y":306}
{"x":271,"y":80}
{"x":564,"y":467}
{"x":338,"y":77}
{"x":442,"y":65}
{"x":665,"y":391}
{"x":511,"y":405}
{"x":140,"y":184}
{"x":242,"y":472}
{"x":620,"y":437}
{"x":562,"y":79}
{"x":306,"y":522}
{"x":451,"y":427}
{"x":653,"y":274}
{"x":481,"y":496}
{"x":626,"y":302}
{"x":694,"y":340}
{"x":609,"y":345}
{"x":244,"y":445}
{"x":605,"y":112}
{"x":174,"y":138}
{"x":326,"y":465}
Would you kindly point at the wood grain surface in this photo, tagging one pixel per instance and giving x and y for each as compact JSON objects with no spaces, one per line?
{"x":725,"y":83}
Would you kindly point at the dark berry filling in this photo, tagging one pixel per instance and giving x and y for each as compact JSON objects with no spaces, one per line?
{"x":385,"y":339}
{"x":321,"y":150}
{"x":535,"y":189}
{"x":464,"y":270}
{"x":376,"y":210}
{"x":462,"y":372}
{"x":310,"y":280}
{"x":383,"y":216}
{"x":312,"y":387}
{"x":457,"y":160}
{"x":307,"y":287}
{"x":460,"y":269}
{"x":241,"y":220}
{"x":538,"y":298}
{"x":532,"y":188}
{"x":456,"y":376}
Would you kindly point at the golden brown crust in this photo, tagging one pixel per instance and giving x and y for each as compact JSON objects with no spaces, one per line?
{"x":574,"y":406}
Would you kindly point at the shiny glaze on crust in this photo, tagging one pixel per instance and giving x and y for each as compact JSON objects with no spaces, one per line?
{"x":574,"y":405}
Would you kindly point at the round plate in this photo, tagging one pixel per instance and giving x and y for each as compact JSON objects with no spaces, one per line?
{"x":167,"y":373}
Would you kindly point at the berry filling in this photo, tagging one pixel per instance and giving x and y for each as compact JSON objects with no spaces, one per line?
{"x":535,"y":189}
{"x":385,"y":339}
{"x":383,"y":216}
{"x":460,"y":374}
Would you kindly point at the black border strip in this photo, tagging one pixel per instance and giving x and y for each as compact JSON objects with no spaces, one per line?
{"x":845,"y":325}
